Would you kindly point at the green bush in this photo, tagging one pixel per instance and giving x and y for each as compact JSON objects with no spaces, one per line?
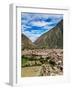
{"x":24,"y":60}
{"x":47,"y":58}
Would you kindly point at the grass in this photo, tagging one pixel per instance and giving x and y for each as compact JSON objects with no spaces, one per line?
{"x":24,"y":60}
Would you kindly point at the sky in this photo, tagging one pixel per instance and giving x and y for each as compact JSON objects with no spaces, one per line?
{"x":33,"y":25}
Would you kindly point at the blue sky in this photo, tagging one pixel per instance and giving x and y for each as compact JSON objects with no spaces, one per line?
{"x":33,"y":25}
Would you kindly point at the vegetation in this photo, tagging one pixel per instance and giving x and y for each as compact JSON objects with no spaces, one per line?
{"x":26,"y":60}
{"x":52,"y":63}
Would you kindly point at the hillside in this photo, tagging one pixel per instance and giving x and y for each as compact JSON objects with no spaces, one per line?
{"x":51,"y":39}
{"x":26,"y":43}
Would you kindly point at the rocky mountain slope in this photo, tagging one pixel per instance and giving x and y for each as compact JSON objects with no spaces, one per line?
{"x":51,"y":39}
{"x":26,"y":43}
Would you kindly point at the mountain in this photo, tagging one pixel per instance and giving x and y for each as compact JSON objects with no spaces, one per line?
{"x":26,"y":43}
{"x":51,"y":39}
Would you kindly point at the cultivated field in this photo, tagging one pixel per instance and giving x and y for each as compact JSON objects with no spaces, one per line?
{"x":42,"y":62}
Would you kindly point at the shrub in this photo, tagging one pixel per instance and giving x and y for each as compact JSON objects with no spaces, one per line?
{"x":48,"y":58}
{"x":51,"y":62}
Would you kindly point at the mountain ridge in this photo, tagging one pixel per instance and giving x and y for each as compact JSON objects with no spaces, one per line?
{"x":50,"y":39}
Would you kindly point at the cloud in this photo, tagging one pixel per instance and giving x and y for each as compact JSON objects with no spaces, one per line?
{"x":39,"y":23}
{"x":34,"y":25}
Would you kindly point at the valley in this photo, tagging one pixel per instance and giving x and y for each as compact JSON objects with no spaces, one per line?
{"x":44,"y":56}
{"x":42,"y":62}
